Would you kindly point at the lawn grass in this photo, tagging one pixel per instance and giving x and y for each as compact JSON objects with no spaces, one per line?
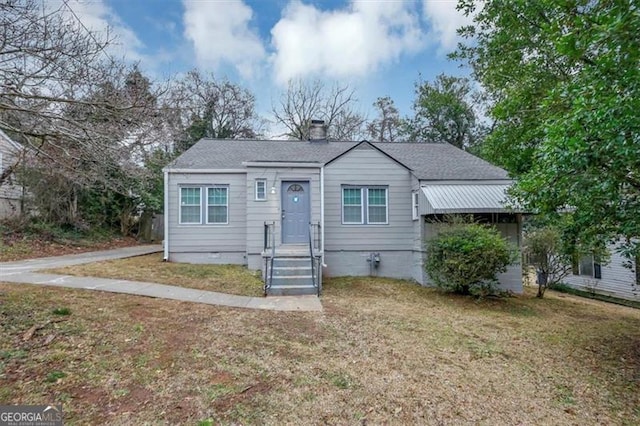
{"x":382,"y":352}
{"x":231,"y":279}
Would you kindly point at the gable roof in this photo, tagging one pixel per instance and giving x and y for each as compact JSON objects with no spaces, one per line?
{"x":428,"y":161}
{"x":368,"y":144}
{"x":442,"y":161}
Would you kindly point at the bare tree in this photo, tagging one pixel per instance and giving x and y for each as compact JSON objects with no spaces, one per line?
{"x":305,"y":101}
{"x":387,"y":126}
{"x":214,"y":108}
{"x":57,"y":83}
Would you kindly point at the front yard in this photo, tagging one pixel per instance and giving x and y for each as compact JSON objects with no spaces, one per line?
{"x":231,"y":279}
{"x":383,"y":351}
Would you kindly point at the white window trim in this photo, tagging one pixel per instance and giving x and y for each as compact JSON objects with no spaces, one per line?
{"x":352,"y":205}
{"x":264,"y":182}
{"x":207,"y":205}
{"x":180,"y":205}
{"x":386,"y":206}
{"x":415,"y":205}
{"x":593,"y":274}
{"x":364,"y":204}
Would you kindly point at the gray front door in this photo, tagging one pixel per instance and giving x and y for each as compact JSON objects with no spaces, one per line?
{"x":295,"y":212}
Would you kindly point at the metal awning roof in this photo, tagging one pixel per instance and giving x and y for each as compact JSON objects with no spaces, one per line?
{"x":487,"y":198}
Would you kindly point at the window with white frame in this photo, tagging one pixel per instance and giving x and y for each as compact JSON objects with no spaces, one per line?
{"x":204,"y":205}
{"x":588,"y":266}
{"x":218,"y":205}
{"x":261,"y":189}
{"x":190,"y":205}
{"x":365,"y":205}
{"x":415,"y":206}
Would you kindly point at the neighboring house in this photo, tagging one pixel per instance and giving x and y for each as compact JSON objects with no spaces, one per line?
{"x":361,"y":208}
{"x":10,"y":193}
{"x":610,"y":279}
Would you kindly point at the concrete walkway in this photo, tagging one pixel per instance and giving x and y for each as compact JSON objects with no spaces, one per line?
{"x":23,"y":272}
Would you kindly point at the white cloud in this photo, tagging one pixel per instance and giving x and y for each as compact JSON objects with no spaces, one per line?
{"x":445,"y":21}
{"x":101,"y":20}
{"x":220,"y":33}
{"x":343,"y":43}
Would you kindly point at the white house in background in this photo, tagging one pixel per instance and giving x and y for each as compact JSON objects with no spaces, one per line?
{"x":10,"y":193}
{"x":610,"y":279}
{"x":299,"y":209}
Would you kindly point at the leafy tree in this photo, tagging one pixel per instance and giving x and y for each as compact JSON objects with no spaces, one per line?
{"x":565,"y":77}
{"x":387,"y":127}
{"x":305,"y":101}
{"x":466,"y":258}
{"x":444,"y":112}
{"x":548,"y":254}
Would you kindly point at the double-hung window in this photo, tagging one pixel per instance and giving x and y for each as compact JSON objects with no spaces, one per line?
{"x":588,"y":266}
{"x":204,"y":205}
{"x":218,"y":205}
{"x":261,"y":189}
{"x":415,"y":205}
{"x":190,"y":205}
{"x":365,"y":205}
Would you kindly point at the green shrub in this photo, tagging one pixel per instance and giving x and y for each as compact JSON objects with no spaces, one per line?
{"x":466,"y":259}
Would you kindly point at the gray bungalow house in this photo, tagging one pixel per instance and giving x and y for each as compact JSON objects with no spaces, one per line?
{"x":298,"y":210}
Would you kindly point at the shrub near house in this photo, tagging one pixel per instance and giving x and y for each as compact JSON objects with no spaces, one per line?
{"x":466,"y":259}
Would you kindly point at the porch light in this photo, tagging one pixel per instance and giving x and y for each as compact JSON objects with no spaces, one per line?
{"x":273,"y":190}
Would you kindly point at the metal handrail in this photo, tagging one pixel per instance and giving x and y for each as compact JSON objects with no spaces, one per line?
{"x":312,"y":257}
{"x":316,"y":272}
{"x":269,"y":242}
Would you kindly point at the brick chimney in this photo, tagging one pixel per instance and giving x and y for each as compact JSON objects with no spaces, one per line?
{"x":317,"y":131}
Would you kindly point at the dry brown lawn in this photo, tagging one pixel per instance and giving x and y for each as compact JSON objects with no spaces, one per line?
{"x":231,"y":279}
{"x":382,"y":352}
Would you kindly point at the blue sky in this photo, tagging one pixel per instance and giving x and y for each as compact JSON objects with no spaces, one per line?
{"x":378,"y":47}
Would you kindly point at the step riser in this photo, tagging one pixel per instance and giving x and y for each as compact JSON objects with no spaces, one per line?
{"x":296,"y":291}
{"x":289,"y":281}
{"x":292,"y":263}
{"x":292,"y":273}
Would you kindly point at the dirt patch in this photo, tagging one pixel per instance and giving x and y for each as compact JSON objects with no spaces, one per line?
{"x":18,"y":248}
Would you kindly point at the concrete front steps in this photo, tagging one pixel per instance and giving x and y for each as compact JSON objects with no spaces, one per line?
{"x":292,"y":276}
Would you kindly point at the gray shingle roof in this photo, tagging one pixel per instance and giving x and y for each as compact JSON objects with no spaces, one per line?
{"x":429,"y":161}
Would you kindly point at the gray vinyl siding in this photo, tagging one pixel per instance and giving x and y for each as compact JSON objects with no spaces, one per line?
{"x":259,"y":212}
{"x":616,"y":281}
{"x":208,"y":238}
{"x":368,"y":167}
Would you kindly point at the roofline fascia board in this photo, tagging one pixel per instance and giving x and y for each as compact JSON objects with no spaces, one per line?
{"x":474,"y":210}
{"x":428,"y":182}
{"x":202,"y":171}
{"x":309,"y":165}
{"x":372,"y":146}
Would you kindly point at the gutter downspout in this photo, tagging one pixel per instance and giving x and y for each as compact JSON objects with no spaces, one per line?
{"x":166,"y":216}
{"x":322,"y":216}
